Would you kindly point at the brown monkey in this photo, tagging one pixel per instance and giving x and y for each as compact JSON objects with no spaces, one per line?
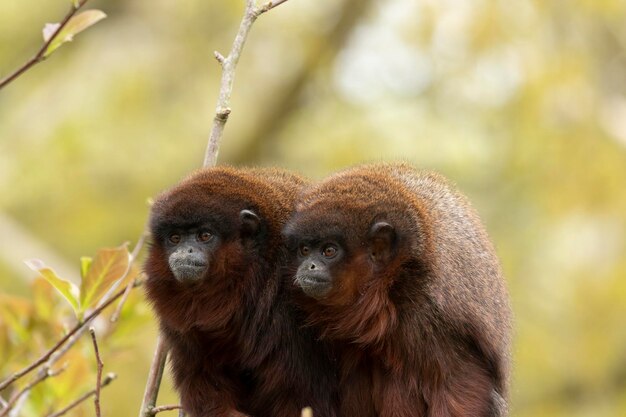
{"x":215,"y":279}
{"x":397,"y":270}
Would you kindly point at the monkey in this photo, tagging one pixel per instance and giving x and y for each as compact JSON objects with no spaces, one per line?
{"x":216,"y":280}
{"x":397,"y":271}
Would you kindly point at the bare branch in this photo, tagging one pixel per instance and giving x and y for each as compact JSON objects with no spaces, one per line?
{"x":229,"y":64}
{"x":220,"y":58}
{"x":40,"y":55}
{"x":17,"y":408}
{"x":154,"y":378}
{"x":161,"y":408}
{"x":23,"y":392}
{"x":100,"y":365}
{"x":77,"y":330}
{"x":107,"y":380}
{"x":270,"y":5}
{"x":40,"y":378}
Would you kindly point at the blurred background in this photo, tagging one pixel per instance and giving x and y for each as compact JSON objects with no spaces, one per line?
{"x":521,"y":103}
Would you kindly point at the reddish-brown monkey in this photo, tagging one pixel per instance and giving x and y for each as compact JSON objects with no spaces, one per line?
{"x":216,"y":281}
{"x":397,"y":270}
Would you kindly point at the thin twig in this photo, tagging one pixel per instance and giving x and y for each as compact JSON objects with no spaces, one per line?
{"x":100,"y":365}
{"x":118,"y":310}
{"x":161,"y":408}
{"x":80,"y":327}
{"x":229,"y":65}
{"x":107,"y":380}
{"x":140,"y":242}
{"x":270,"y":5}
{"x":17,"y":408}
{"x":40,"y":55}
{"x":133,"y":257}
{"x":154,"y":378}
{"x":15,"y":397}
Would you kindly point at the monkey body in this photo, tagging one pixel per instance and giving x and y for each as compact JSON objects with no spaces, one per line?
{"x":398,"y":272}
{"x":216,"y":283}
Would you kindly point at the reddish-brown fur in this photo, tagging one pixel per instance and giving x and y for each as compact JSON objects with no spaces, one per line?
{"x":236,"y":345}
{"x":428,"y":333}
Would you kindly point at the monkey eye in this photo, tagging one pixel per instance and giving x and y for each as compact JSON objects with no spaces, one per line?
{"x":305,"y":250}
{"x":330,"y":251}
{"x":175,"y":239}
{"x":204,"y":236}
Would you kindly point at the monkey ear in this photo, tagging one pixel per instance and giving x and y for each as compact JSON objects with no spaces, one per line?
{"x":250,"y":223}
{"x":382,"y":242}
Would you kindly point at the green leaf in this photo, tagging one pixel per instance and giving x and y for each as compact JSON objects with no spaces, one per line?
{"x":67,"y":289}
{"x":106,"y":269}
{"x":75,"y":25}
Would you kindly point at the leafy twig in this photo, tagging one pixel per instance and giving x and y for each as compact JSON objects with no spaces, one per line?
{"x":100,"y":365}
{"x":40,"y":55}
{"x":107,"y":380}
{"x":80,"y":327}
{"x":229,"y":64}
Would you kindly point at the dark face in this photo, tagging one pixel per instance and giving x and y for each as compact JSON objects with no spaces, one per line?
{"x":190,"y":249}
{"x":323,"y":259}
{"x":317,"y":262}
{"x":189,"y":252}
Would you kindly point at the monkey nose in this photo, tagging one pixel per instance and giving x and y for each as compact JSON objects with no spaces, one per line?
{"x":190,"y":250}
{"x":312,"y":266}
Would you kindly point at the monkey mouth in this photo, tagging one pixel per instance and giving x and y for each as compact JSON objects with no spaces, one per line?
{"x":314,"y":285}
{"x":314,"y":281}
{"x":189,"y":271}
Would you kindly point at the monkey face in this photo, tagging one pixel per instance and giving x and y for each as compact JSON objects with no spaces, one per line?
{"x":315,"y":273}
{"x":332,"y":261}
{"x":189,"y":252}
{"x":190,"y":248}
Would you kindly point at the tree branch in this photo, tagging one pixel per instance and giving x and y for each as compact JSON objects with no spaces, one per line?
{"x":229,"y":64}
{"x":107,"y":380}
{"x":154,"y":379}
{"x":100,"y":365}
{"x":40,"y":378}
{"x":161,"y":408}
{"x":40,"y":55}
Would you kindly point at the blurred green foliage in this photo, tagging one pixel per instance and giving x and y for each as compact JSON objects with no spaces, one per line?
{"x":522,"y":103}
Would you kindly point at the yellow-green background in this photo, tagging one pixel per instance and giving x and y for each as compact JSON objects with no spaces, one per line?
{"x":521,"y":103}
